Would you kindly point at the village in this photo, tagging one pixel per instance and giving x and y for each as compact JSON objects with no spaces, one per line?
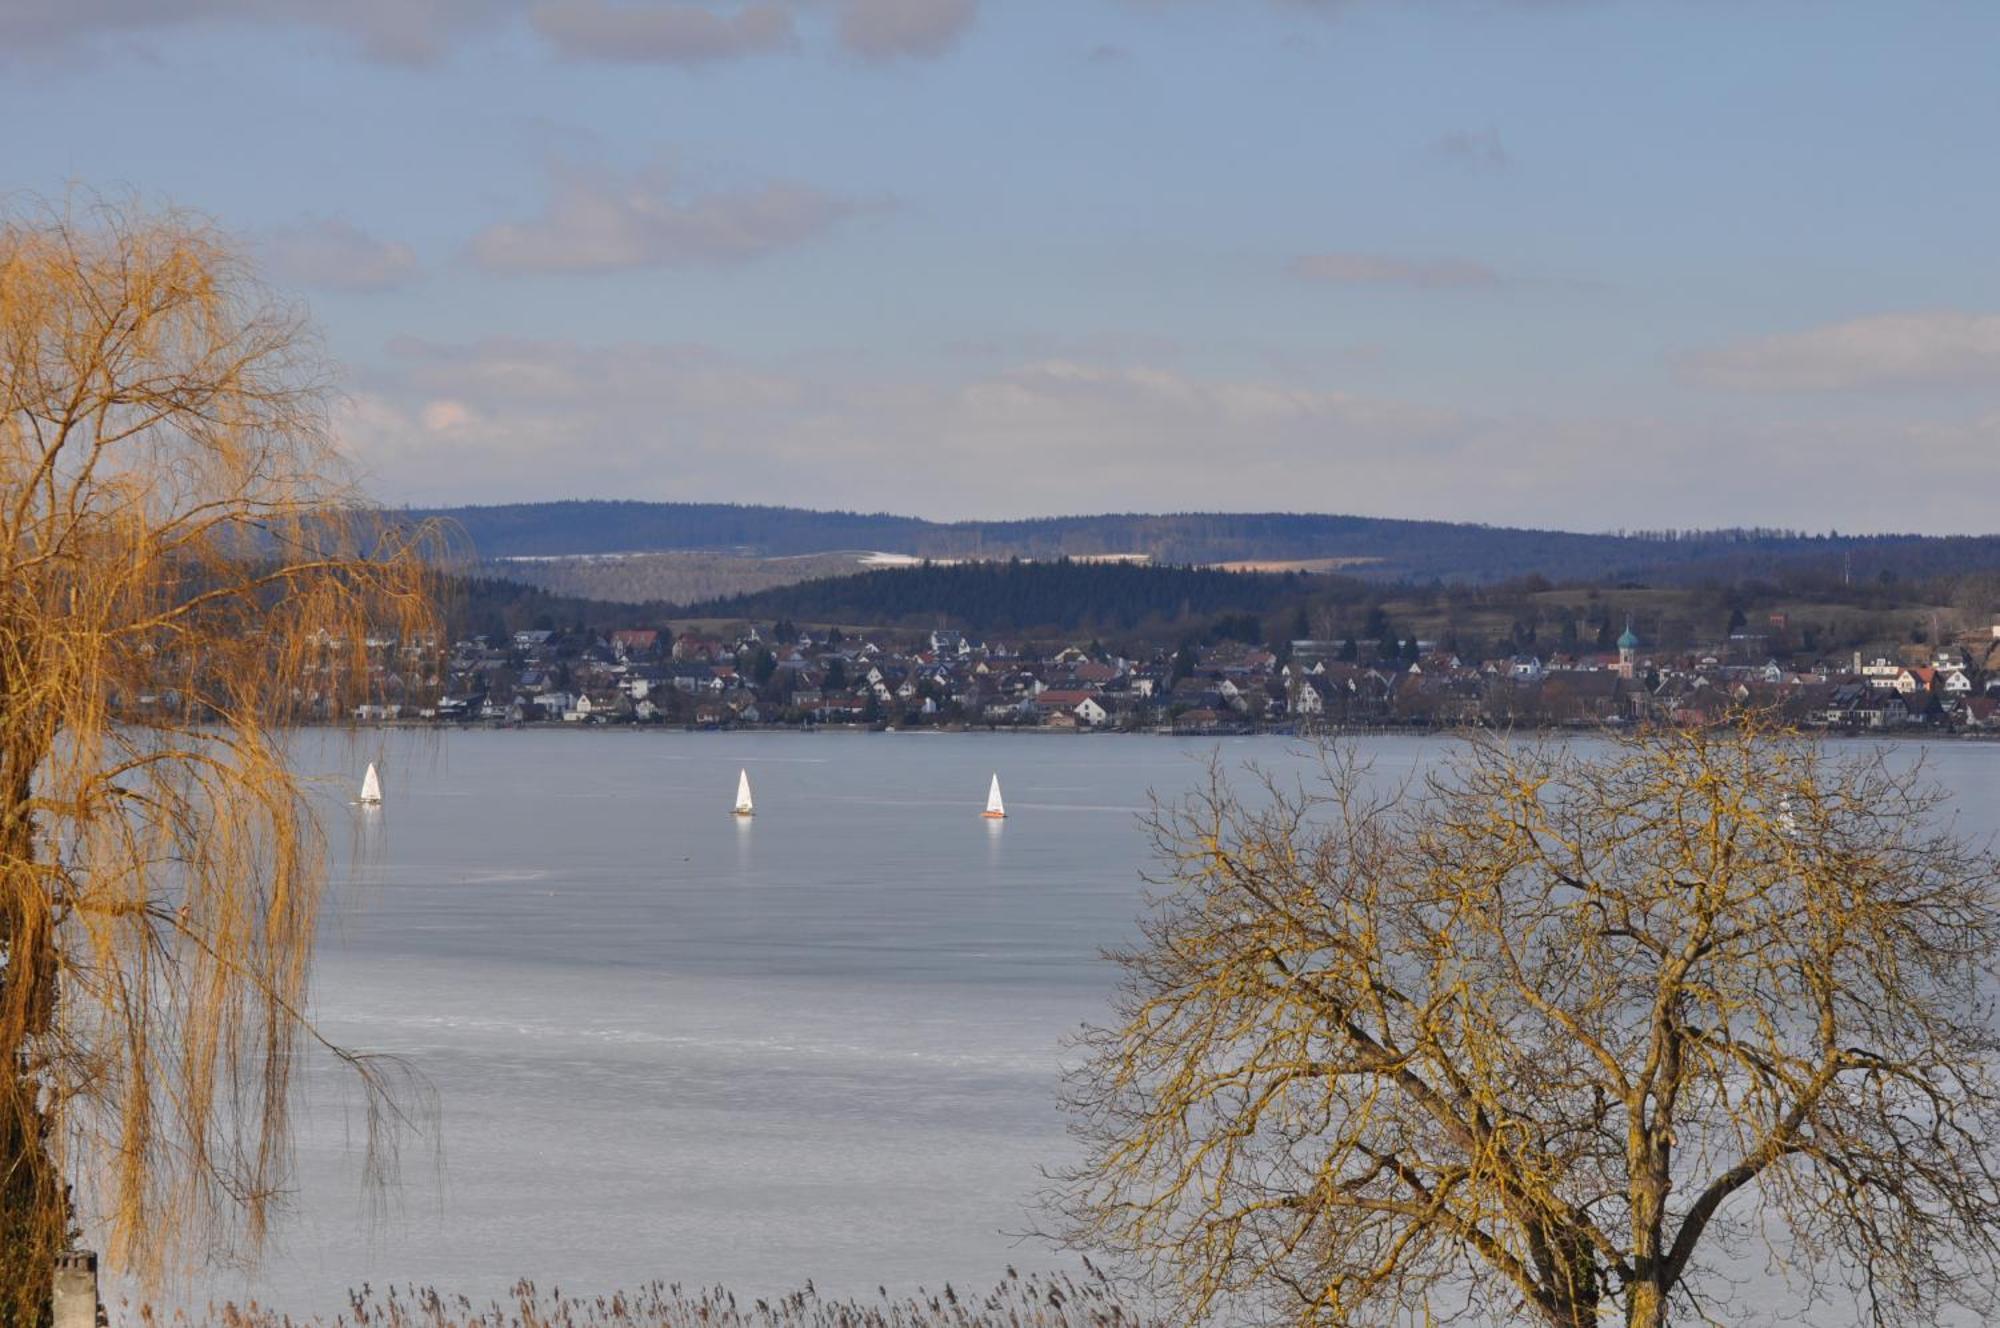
{"x":787,"y":678}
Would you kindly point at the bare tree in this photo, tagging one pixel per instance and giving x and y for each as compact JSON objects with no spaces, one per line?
{"x":1564,"y":1033}
{"x":185,"y":575}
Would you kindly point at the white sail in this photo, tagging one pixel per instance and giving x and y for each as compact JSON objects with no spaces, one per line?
{"x":744,"y":807}
{"x":994,"y":807}
{"x":371,"y":786}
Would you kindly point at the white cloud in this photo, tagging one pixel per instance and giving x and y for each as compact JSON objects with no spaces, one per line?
{"x":1351,"y":269}
{"x":596,"y":222}
{"x":418,"y":31}
{"x":505,"y":418}
{"x":336,"y":255}
{"x":671,"y":33}
{"x":514,"y":420}
{"x":887,"y":29}
{"x":399,"y":31}
{"x":444,"y":415}
{"x":1940,"y":348}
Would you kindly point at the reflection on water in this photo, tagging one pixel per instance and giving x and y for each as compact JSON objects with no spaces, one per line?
{"x":996,"y":834}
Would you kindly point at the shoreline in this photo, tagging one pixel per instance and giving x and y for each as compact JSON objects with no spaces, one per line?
{"x":1917,"y":734}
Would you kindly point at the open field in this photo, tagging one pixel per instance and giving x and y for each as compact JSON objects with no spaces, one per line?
{"x":684,"y":576}
{"x":693,"y":576}
{"x":1315,"y":565}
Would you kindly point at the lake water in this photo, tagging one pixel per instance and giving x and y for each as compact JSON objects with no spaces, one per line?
{"x":670,"y":1044}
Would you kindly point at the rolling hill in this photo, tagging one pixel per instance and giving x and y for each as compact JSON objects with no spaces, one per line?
{"x":1378,"y":549}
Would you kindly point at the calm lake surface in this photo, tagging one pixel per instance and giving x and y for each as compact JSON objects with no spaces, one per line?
{"x":670,"y":1044}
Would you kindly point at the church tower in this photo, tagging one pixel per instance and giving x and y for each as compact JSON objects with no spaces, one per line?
{"x":1628,"y":649}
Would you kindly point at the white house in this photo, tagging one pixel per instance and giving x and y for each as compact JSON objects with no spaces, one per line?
{"x":1880,"y":673}
{"x":1089,"y":713}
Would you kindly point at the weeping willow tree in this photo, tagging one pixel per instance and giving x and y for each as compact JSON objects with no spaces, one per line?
{"x":187,"y":573}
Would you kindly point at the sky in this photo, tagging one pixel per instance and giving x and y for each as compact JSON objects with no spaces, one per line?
{"x":1592,"y":264}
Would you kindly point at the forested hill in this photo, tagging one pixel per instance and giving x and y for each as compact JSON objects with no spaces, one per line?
{"x":1377,"y":548}
{"x":1062,"y":596}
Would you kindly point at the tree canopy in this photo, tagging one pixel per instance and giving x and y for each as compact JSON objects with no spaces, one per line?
{"x":1563,"y":1033}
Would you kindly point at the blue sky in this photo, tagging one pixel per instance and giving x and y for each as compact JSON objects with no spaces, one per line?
{"x":1565,"y":262}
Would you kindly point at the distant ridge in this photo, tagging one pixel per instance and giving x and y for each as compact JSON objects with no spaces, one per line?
{"x":1393,"y":549}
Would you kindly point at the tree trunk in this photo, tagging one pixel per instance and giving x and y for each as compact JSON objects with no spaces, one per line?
{"x":34,"y":1203}
{"x":32,"y":1211}
{"x":1647,"y":1307}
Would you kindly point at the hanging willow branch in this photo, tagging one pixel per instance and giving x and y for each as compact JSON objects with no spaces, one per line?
{"x":187,"y":573}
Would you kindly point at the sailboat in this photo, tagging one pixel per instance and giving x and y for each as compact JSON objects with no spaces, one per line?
{"x":996,"y":810}
{"x":371,"y":788}
{"x":744,"y":807}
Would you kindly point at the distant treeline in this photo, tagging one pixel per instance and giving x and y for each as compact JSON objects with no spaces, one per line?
{"x":1078,"y":598}
{"x":494,"y":607}
{"x":1397,"y":550}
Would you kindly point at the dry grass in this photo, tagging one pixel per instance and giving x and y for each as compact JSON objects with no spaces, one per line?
{"x":1053,"y":1300}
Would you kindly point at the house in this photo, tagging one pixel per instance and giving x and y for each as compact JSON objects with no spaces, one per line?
{"x":841,"y":708}
{"x":1089,"y":713}
{"x":1198,"y":721}
{"x":1882,"y":709}
{"x":1879,"y":672}
{"x":1053,"y":701}
{"x":587,"y":708}
{"x":1976,"y":712}
{"x":627,"y":642}
{"x":461,"y":707}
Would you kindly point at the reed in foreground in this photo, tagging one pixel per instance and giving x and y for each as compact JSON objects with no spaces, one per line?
{"x":1053,"y":1300}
